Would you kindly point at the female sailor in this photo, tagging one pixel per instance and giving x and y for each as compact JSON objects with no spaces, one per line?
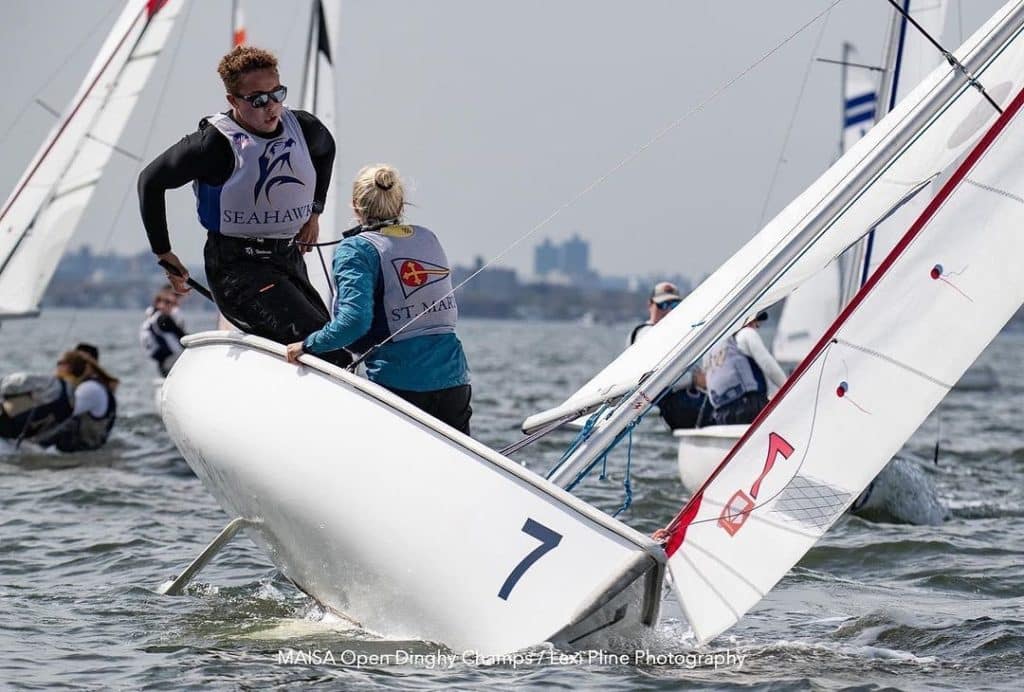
{"x":395,"y":300}
{"x":260,"y":173}
{"x":95,"y":407}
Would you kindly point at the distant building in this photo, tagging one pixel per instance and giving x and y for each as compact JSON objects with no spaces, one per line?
{"x":570,"y":258}
{"x":576,"y":256}
{"x":546,"y":258}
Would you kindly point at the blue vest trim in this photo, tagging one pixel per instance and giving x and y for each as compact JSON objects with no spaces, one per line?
{"x":208,"y":206}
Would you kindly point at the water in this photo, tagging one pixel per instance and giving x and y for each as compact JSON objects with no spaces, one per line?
{"x":85,"y":539}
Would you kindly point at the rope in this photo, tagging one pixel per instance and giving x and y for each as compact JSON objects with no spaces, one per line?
{"x":629,"y":158}
{"x":627,"y":485}
{"x":580,"y":438}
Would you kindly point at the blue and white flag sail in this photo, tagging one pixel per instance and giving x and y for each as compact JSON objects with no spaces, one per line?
{"x":860,"y":99}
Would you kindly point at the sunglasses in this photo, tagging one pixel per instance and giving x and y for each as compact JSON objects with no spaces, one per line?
{"x":165,"y":301}
{"x":667,"y":304}
{"x":261,"y":99}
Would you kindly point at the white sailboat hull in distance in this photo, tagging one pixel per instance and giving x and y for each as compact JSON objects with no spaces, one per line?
{"x":392,"y":518}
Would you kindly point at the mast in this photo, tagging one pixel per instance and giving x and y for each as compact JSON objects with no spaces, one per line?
{"x":318,"y":96}
{"x":859,"y":264}
{"x":752,"y":288}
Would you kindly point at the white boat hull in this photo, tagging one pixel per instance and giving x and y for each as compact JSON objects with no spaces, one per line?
{"x":392,"y":518}
{"x":901,"y":492}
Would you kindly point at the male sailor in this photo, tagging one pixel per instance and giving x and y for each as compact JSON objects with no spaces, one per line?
{"x":162,"y":329}
{"x":737,"y":371}
{"x":95,"y":406}
{"x":260,"y":173}
{"x":686,"y":405}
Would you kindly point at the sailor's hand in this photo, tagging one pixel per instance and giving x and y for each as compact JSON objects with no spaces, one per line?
{"x":661,"y":535}
{"x":178,"y":281}
{"x":294,"y":351}
{"x":699,"y":380}
{"x":308,"y":234}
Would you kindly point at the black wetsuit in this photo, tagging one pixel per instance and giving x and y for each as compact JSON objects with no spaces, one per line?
{"x":260,"y":285}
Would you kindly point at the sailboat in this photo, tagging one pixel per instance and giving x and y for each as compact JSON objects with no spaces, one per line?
{"x":41,"y":213}
{"x":903,"y":491}
{"x":416,"y":530}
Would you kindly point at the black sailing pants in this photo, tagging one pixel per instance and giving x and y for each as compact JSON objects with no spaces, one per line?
{"x":262,"y":288}
{"x":449,"y":405}
{"x":743,"y":410}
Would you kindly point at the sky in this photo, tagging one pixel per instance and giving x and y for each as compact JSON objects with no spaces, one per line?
{"x":509,"y":121}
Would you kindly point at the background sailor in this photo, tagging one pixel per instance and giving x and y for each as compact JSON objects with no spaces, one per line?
{"x":738,"y":371}
{"x":686,"y":405}
{"x":162,"y":329}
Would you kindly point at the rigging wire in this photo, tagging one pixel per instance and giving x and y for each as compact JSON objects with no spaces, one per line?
{"x":86,"y":36}
{"x":950,"y":58}
{"x":792,"y":120}
{"x":629,"y":158}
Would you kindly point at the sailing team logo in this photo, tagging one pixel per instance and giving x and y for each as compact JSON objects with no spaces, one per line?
{"x":275,"y":158}
{"x":415,"y":274}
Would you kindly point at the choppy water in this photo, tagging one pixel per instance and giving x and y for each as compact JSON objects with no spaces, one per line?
{"x":86,"y":538}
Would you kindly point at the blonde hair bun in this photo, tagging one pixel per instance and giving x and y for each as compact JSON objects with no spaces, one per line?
{"x":378,"y":194}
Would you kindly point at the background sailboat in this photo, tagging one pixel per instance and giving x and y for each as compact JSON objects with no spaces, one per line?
{"x":42,"y":212}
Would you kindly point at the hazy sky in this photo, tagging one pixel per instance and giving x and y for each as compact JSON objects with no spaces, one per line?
{"x":500,"y":113}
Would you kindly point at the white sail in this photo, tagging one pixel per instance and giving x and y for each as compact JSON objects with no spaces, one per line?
{"x":318,"y":97}
{"x":937,"y":300}
{"x":807,"y":312}
{"x":912,"y":145}
{"x":40,"y":216}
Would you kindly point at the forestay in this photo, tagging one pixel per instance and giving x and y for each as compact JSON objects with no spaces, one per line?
{"x":934,"y":304}
{"x":926,"y":132}
{"x":40,"y":216}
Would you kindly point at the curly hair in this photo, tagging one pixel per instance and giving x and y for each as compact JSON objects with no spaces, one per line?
{"x":242,"y":60}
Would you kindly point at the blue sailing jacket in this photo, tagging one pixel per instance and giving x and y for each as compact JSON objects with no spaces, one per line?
{"x":419,"y":363}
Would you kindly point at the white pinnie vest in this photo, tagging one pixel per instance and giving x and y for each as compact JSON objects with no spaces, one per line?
{"x":730,"y":374}
{"x":416,"y":279}
{"x":162,"y":343}
{"x":270,"y":192}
